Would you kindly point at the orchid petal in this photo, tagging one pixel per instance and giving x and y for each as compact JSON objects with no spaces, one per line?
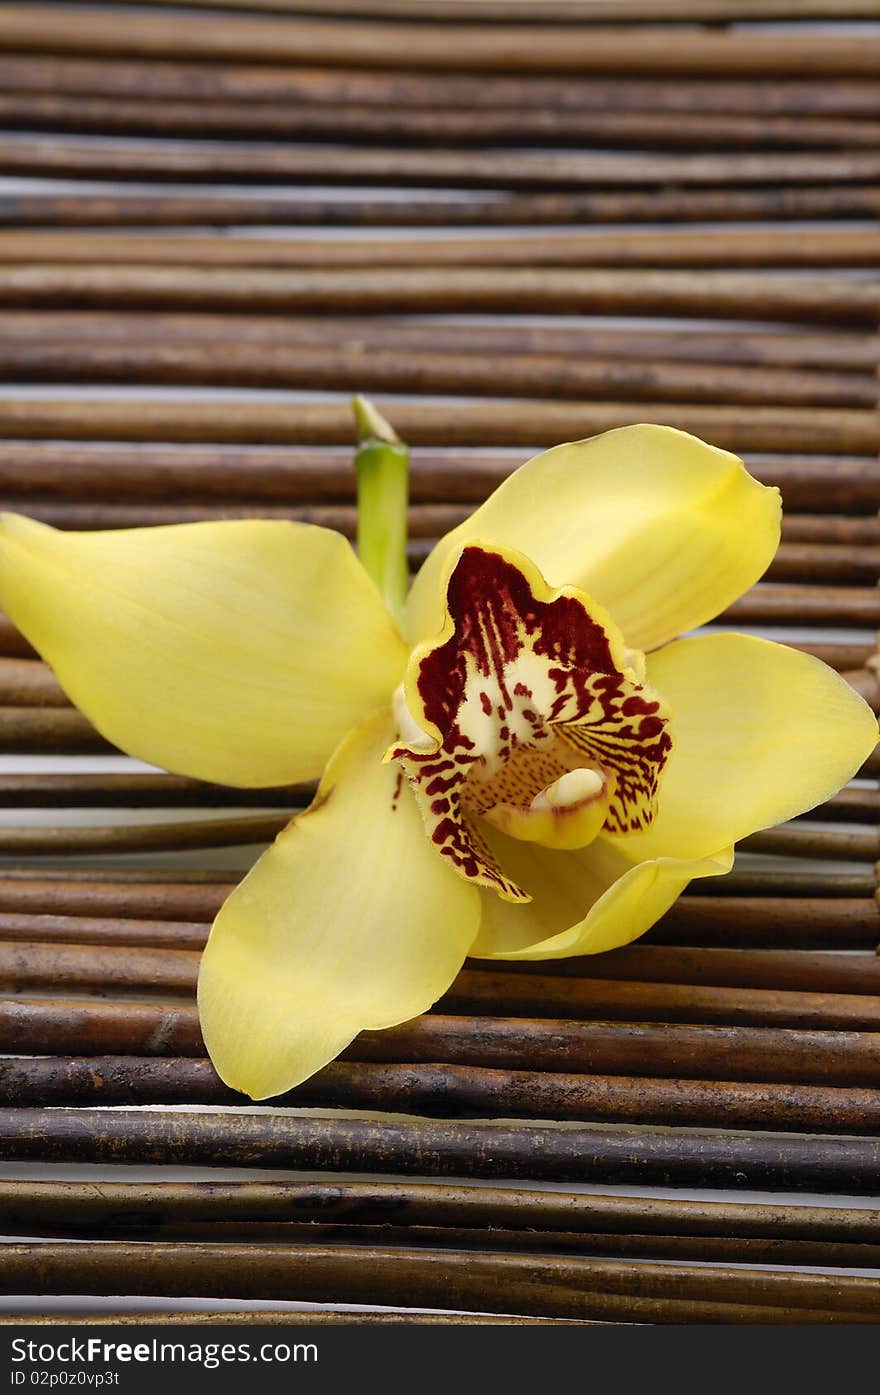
{"x":585,"y":902}
{"x":239,"y":652}
{"x":658,"y":527}
{"x":349,"y":922}
{"x":761,"y":732}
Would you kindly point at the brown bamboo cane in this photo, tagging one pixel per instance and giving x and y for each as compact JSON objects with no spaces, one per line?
{"x":830,"y":530}
{"x":412,"y":371}
{"x":506,"y":48}
{"x":173,"y":972}
{"x":726,"y":248}
{"x":94,"y":930}
{"x":115,"y":838}
{"x":446,"y":290}
{"x":280,"y":1317}
{"x":441,"y":477}
{"x":169,"y":207}
{"x":567,"y":1288}
{"x":785,"y":968}
{"x":774,"y":602}
{"x":155,"y":897}
{"x":487,"y":422}
{"x":656,"y":1247}
{"x":428,"y":126}
{"x":822,"y":971}
{"x":452,"y":1092}
{"x":59,"y":789}
{"x":540,"y":1153}
{"x":839,"y":350}
{"x":794,"y":922}
{"x":173,"y":80}
{"x":558,"y":11}
{"x":768,"y":880}
{"x":128,"y":157}
{"x":409,"y":1204}
{"x":800,"y":840}
{"x":95,"y":1027}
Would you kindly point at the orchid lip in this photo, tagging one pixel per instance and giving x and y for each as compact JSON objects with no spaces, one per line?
{"x":526,"y":715}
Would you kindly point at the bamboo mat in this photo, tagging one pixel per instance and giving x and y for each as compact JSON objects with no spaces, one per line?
{"x":215,"y":224}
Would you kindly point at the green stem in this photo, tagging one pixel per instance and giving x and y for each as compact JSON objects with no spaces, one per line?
{"x":382,"y":464}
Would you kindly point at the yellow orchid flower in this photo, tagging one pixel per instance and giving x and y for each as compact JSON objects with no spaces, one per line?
{"x":529,"y":765}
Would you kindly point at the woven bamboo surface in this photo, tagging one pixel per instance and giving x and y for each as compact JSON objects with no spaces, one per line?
{"x":214,"y":225}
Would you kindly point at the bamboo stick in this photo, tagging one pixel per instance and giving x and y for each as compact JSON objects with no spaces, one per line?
{"x":839,"y":905}
{"x":136,"y":899}
{"x":127,"y":157}
{"x":431,"y":127}
{"x":93,"y":930}
{"x":413,"y":371}
{"x":795,"y":347}
{"x":657,"y":1247}
{"x":443,"y":477}
{"x":849,"y":1059}
{"x":127,"y":969}
{"x":444,"y":290}
{"x":48,"y":729}
{"x":853,"y":804}
{"x":528,"y":995}
{"x":858,"y":845}
{"x":773,"y":602}
{"x":769,"y":881}
{"x":24,"y":683}
{"x":525,"y":422}
{"x":725,"y":248}
{"x":505,"y":48}
{"x":110,"y":838}
{"x":60,"y":789}
{"x":797,"y":922}
{"x":12,"y":642}
{"x":281,"y":1317}
{"x":680,"y":1157}
{"x":789,"y":969}
{"x":170,"y":208}
{"x":553,"y":11}
{"x":452,"y":1092}
{"x":831,"y":924}
{"x":173,"y":80}
{"x":568,"y":1288}
{"x":33,"y":966}
{"x":825,"y":530}
{"x":53,"y":1203}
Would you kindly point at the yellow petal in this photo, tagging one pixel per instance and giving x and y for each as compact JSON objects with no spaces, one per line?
{"x":237,"y":652}
{"x":660,"y":528}
{"x":350,"y":921}
{"x":761,"y":732}
{"x":585,"y":902}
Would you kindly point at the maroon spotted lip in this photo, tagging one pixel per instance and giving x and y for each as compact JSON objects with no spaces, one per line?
{"x":530,"y":685}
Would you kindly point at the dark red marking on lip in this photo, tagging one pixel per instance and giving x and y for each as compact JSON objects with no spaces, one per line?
{"x":596,"y":710}
{"x":491,"y":605}
{"x":398,"y":789}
